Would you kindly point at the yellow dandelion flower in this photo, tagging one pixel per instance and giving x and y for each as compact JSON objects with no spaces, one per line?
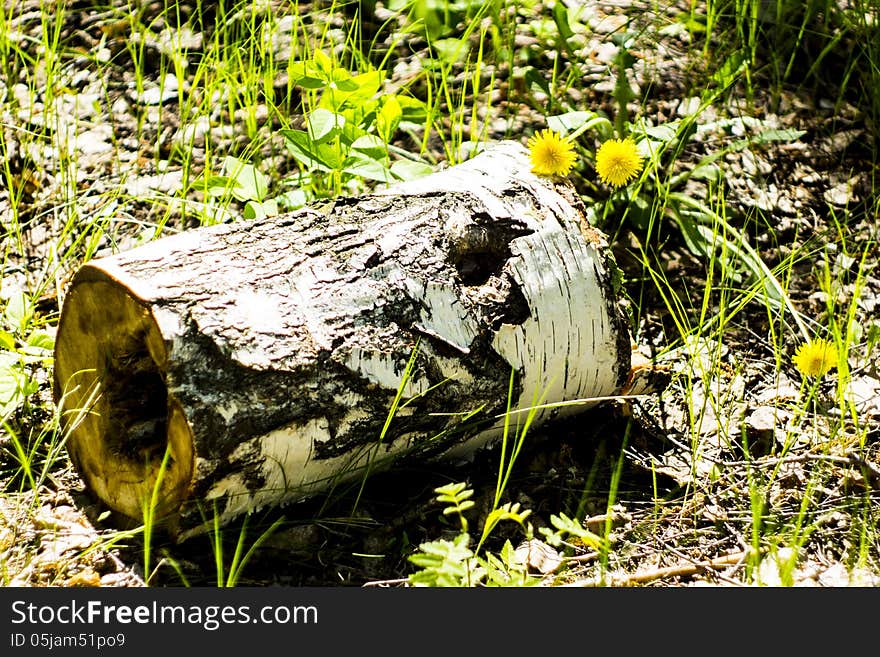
{"x":815,"y":358}
{"x":551,"y":155}
{"x":618,"y":160}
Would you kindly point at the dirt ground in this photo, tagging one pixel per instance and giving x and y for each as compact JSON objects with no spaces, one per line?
{"x":679,"y":517}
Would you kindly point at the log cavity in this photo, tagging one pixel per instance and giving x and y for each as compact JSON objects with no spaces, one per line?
{"x":479,"y":244}
{"x":137,"y":424}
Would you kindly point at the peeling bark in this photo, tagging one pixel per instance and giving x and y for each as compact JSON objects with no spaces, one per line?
{"x":264,"y":356}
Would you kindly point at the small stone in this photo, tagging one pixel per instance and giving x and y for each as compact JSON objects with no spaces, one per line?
{"x":538,"y":556}
{"x":85,"y":577}
{"x":161,"y":93}
{"x":842,"y":193}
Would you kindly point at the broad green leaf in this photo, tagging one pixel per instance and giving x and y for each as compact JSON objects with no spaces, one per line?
{"x":353,"y":129}
{"x":7,"y":341}
{"x":571,"y":121}
{"x":19,"y":311}
{"x":693,"y":237}
{"x":560,"y":17}
{"x":250,"y":183}
{"x":452,"y":50}
{"x":372,"y":146}
{"x":41,"y":340}
{"x":568,"y":122}
{"x":342,"y":80}
{"x":388,"y":118}
{"x":639,"y":212}
{"x":307,"y":82}
{"x":10,"y":387}
{"x":410,"y":170}
{"x":218,"y":185}
{"x":412,"y":109}
{"x":254,"y":210}
{"x":706,"y":172}
{"x":368,"y":84}
{"x":353,"y":91}
{"x":306,"y":75}
{"x":535,"y":81}
{"x":323,"y":63}
{"x":257,"y":210}
{"x":778,"y":134}
{"x":664,"y":132}
{"x":293,"y":199}
{"x":367,"y":168}
{"x":324,"y":125}
{"x":307,"y":153}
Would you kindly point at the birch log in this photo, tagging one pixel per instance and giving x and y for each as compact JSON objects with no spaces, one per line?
{"x":260,"y":359}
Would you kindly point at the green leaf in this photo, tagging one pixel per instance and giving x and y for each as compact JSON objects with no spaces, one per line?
{"x":293,"y":199}
{"x":323,"y":63}
{"x":311,"y":155}
{"x":410,"y":170}
{"x":778,"y":134}
{"x":665,"y":132}
{"x":254,"y":210}
{"x":412,"y":109}
{"x":324,"y":125}
{"x":706,"y":172}
{"x":19,"y":311}
{"x":352,"y":91}
{"x":368,"y":84}
{"x":535,"y":81}
{"x":571,"y":121}
{"x":565,"y":525}
{"x":41,"y":340}
{"x":10,"y":387}
{"x":371,"y":146}
{"x":250,"y":184}
{"x":560,"y":17}
{"x":452,"y":50}
{"x":388,"y":118}
{"x":307,"y":82}
{"x":7,"y":341}
{"x":368,"y":168}
{"x":639,"y":212}
{"x":307,"y":75}
{"x":260,"y":210}
{"x":726,"y":75}
{"x":218,"y":185}
{"x":344,"y":83}
{"x":693,"y":237}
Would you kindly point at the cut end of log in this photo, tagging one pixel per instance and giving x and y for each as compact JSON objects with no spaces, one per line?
{"x":118,"y":416}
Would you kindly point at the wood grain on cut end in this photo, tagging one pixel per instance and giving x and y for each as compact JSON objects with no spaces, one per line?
{"x":116,"y":411}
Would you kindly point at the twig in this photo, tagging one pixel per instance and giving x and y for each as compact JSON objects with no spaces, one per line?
{"x":871,"y":471}
{"x":582,"y":558}
{"x":687,"y":570}
{"x":386,"y":582}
